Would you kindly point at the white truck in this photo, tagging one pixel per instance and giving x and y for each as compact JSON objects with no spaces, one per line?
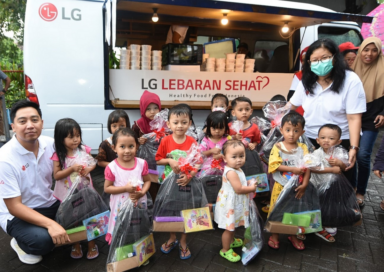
{"x":67,"y":45}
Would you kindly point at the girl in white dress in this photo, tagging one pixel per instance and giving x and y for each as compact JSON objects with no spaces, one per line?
{"x":232,"y":205}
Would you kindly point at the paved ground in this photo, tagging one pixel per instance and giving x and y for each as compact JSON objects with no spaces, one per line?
{"x":356,"y":249}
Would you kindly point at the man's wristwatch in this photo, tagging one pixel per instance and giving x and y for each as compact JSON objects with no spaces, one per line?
{"x":354,"y":147}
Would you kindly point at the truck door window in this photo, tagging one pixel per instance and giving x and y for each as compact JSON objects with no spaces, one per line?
{"x":340,"y":35}
{"x":270,"y":60}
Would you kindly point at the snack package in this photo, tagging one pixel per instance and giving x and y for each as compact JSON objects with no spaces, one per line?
{"x":211,"y":178}
{"x":253,"y":236}
{"x":148,"y":150}
{"x":309,"y":203}
{"x":81,"y":202}
{"x":172,"y":198}
{"x":338,"y":201}
{"x":132,"y":228}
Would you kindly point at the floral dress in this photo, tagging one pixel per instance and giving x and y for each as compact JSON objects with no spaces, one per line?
{"x":120,"y":176}
{"x":232,"y":210}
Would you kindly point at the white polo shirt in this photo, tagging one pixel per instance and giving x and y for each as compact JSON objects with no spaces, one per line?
{"x":328,"y":107}
{"x":22,"y":174}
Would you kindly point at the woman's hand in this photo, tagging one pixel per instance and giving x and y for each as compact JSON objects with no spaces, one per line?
{"x":377,"y":173}
{"x":379,"y":121}
{"x":142,"y":140}
{"x":352,"y":159}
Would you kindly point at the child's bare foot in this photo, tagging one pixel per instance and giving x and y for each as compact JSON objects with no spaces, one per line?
{"x":299,"y":245}
{"x":169,"y":245}
{"x":93,"y":251}
{"x":272,"y":243}
{"x":76,"y":252}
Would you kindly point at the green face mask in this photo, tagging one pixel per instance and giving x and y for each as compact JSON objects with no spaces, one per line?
{"x":322,"y":68}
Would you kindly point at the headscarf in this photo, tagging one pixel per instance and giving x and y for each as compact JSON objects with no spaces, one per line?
{"x":146,"y":99}
{"x":372,"y":75}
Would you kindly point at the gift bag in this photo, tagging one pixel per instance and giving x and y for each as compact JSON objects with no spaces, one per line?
{"x":131,"y":233}
{"x":253,"y":236}
{"x":274,"y":111}
{"x":309,"y":204}
{"x":338,"y":201}
{"x":148,"y":150}
{"x":172,"y":198}
{"x":81,"y":202}
{"x":196,"y":133}
{"x":211,"y":177}
{"x":264,"y":128}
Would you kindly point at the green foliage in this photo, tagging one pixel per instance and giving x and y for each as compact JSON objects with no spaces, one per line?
{"x":114,"y":62}
{"x":16,"y":90}
{"x":10,"y":53}
{"x":12,"y":14}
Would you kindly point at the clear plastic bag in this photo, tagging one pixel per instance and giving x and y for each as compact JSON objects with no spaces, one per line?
{"x":148,"y":150}
{"x":133,"y":224}
{"x":308,"y":205}
{"x":211,"y":178}
{"x":172,"y":198}
{"x":338,"y":201}
{"x":274,"y":111}
{"x":264,"y":127}
{"x":253,"y":236}
{"x":81,"y":202}
{"x":196,"y":132}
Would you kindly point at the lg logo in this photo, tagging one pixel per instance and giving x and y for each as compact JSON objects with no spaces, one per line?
{"x":48,"y":12}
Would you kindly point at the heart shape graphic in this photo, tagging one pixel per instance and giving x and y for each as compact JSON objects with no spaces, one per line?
{"x":262,"y":80}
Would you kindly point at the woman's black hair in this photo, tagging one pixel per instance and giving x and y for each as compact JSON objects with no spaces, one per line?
{"x":218,"y":120}
{"x":65,"y":127}
{"x":349,"y":51}
{"x":220,"y":96}
{"x":337,"y":75}
{"x":115,"y":116}
{"x":124,"y":132}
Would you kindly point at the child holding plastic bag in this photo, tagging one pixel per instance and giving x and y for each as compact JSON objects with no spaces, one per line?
{"x":283,"y":166}
{"x":150,"y":143}
{"x":179,"y":121}
{"x":232,"y":205}
{"x":211,"y":146}
{"x":125,"y":177}
{"x":338,"y":201}
{"x":243,"y":130}
{"x":70,"y":161}
{"x":116,"y":120}
{"x":150,"y":105}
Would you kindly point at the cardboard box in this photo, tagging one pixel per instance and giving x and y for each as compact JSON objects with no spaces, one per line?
{"x":278,"y":227}
{"x":144,"y":249}
{"x":168,"y":226}
{"x":76,"y":235}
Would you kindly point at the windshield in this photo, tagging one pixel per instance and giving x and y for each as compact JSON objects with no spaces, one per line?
{"x":340,"y":35}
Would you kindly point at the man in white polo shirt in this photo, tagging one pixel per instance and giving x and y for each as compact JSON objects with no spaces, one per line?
{"x":27,"y":205}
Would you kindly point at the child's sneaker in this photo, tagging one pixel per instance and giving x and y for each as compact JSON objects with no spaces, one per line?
{"x":24,"y":257}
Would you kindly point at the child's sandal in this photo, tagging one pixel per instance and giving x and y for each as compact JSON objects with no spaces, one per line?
{"x":236,"y":243}
{"x":275,"y":245}
{"x":230,"y":255}
{"x":94,"y":249}
{"x":75,"y":250}
{"x":299,"y":246}
{"x":184,"y":252}
{"x":325,"y":236}
{"x":170,"y":246}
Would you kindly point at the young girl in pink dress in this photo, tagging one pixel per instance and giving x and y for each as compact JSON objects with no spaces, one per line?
{"x":215,"y":138}
{"x":67,"y":167}
{"x":125,"y":177}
